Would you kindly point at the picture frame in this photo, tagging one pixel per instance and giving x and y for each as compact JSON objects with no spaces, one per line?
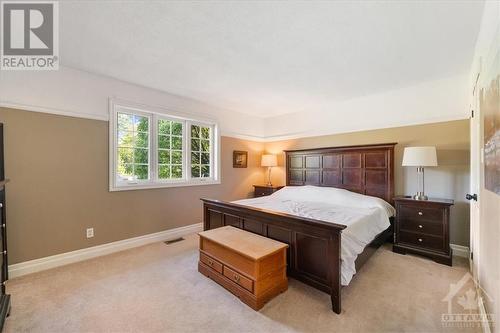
{"x":240,"y":159}
{"x":489,"y":98}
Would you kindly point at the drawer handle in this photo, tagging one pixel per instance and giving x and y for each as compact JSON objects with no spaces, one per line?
{"x":420,"y":240}
{"x":420,"y":226}
{"x":236,"y":278}
{"x":420,"y":213}
{"x":210,"y":263}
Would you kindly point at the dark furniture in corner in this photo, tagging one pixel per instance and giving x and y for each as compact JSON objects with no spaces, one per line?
{"x":423,"y":227}
{"x":263,"y":190}
{"x":4,"y":298}
{"x":314,"y":253}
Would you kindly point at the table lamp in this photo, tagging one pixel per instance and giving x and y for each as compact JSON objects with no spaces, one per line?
{"x":269,"y":161}
{"x":420,"y":157}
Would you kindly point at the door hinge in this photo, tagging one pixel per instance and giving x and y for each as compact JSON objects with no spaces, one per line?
{"x":472,"y":256}
{"x":472,"y":113}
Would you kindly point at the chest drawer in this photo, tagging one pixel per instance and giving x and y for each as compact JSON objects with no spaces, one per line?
{"x":210,"y":262}
{"x":407,"y":212}
{"x":422,"y":226}
{"x":238,"y":278}
{"x":421,"y":240}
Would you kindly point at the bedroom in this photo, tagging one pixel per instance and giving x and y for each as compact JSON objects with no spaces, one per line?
{"x":119,"y":116}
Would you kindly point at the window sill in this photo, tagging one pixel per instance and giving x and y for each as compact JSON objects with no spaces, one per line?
{"x":147,"y":186}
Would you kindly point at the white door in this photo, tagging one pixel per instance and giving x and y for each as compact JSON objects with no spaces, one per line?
{"x":475,"y":178}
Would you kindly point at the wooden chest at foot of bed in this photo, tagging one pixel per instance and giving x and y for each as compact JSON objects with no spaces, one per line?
{"x":250,"y":266}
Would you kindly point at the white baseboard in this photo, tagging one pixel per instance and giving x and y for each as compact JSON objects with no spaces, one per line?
{"x":57,"y":260}
{"x":482,"y":311}
{"x":486,"y":325}
{"x":460,"y":251}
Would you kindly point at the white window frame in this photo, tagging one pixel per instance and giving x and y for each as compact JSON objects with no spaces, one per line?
{"x":154,"y":114}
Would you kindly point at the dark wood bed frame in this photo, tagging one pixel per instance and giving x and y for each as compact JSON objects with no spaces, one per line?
{"x":313,"y":256}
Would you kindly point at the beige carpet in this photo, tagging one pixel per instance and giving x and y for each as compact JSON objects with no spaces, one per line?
{"x":156,"y":288}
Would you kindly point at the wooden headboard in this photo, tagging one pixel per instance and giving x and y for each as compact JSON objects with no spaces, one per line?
{"x":366,"y":169}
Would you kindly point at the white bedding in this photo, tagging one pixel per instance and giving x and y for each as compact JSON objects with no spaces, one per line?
{"x":364,"y":216}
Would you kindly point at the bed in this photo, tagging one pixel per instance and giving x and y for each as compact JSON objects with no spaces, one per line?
{"x":330,"y":200}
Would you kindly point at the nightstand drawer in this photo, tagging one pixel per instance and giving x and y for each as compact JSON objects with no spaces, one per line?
{"x":260,"y":191}
{"x":420,"y":214}
{"x":421,"y":240}
{"x":263,"y":190}
{"x":422,"y":226}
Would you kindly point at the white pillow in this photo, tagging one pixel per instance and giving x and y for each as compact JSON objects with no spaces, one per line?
{"x":332,"y":195}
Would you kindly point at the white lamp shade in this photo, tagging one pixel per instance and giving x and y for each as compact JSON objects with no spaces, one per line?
{"x":420,"y":156}
{"x":269,"y":161}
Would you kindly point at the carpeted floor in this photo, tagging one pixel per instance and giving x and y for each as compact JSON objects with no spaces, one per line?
{"x":157,"y":288}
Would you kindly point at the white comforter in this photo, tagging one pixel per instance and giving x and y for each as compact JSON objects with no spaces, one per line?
{"x":364,"y":216}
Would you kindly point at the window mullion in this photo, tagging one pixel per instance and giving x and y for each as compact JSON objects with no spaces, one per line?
{"x":153,"y":137}
{"x":187,"y":150}
{"x":212,"y":149}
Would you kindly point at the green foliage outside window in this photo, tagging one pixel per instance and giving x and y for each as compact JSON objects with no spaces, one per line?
{"x":169,"y":149}
{"x":200,"y":151}
{"x":133,"y":146}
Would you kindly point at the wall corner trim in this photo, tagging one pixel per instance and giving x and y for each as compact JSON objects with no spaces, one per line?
{"x":460,"y":251}
{"x":41,"y":264}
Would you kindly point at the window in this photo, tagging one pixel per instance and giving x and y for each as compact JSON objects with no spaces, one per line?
{"x":133,"y":147}
{"x":200,"y":151}
{"x":150,"y":149}
{"x":170,"y":153}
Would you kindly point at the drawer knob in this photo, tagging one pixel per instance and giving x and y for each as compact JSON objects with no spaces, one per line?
{"x":420,"y":240}
{"x":420,"y":213}
{"x":420,"y":226}
{"x":236,"y":278}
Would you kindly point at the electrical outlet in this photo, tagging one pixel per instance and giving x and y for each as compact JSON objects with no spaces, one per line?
{"x":90,"y":232}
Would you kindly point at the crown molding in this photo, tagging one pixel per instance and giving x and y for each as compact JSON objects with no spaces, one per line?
{"x":256,"y":138}
{"x":59,"y":112}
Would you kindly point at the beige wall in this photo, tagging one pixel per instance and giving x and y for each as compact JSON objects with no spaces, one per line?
{"x":58,"y":168}
{"x":449,"y":180}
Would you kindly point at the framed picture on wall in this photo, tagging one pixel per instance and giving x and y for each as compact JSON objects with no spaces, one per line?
{"x":489,"y":102}
{"x":240,"y":159}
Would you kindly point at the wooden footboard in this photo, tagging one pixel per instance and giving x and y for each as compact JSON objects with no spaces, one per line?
{"x":313,"y":255}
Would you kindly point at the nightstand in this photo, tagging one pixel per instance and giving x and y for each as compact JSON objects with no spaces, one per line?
{"x":263,"y":190}
{"x":423,"y":227}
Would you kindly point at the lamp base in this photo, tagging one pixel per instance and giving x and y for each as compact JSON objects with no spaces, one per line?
{"x":420,"y":196}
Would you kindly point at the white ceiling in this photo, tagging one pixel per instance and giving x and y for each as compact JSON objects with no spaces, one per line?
{"x":270,"y":58}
